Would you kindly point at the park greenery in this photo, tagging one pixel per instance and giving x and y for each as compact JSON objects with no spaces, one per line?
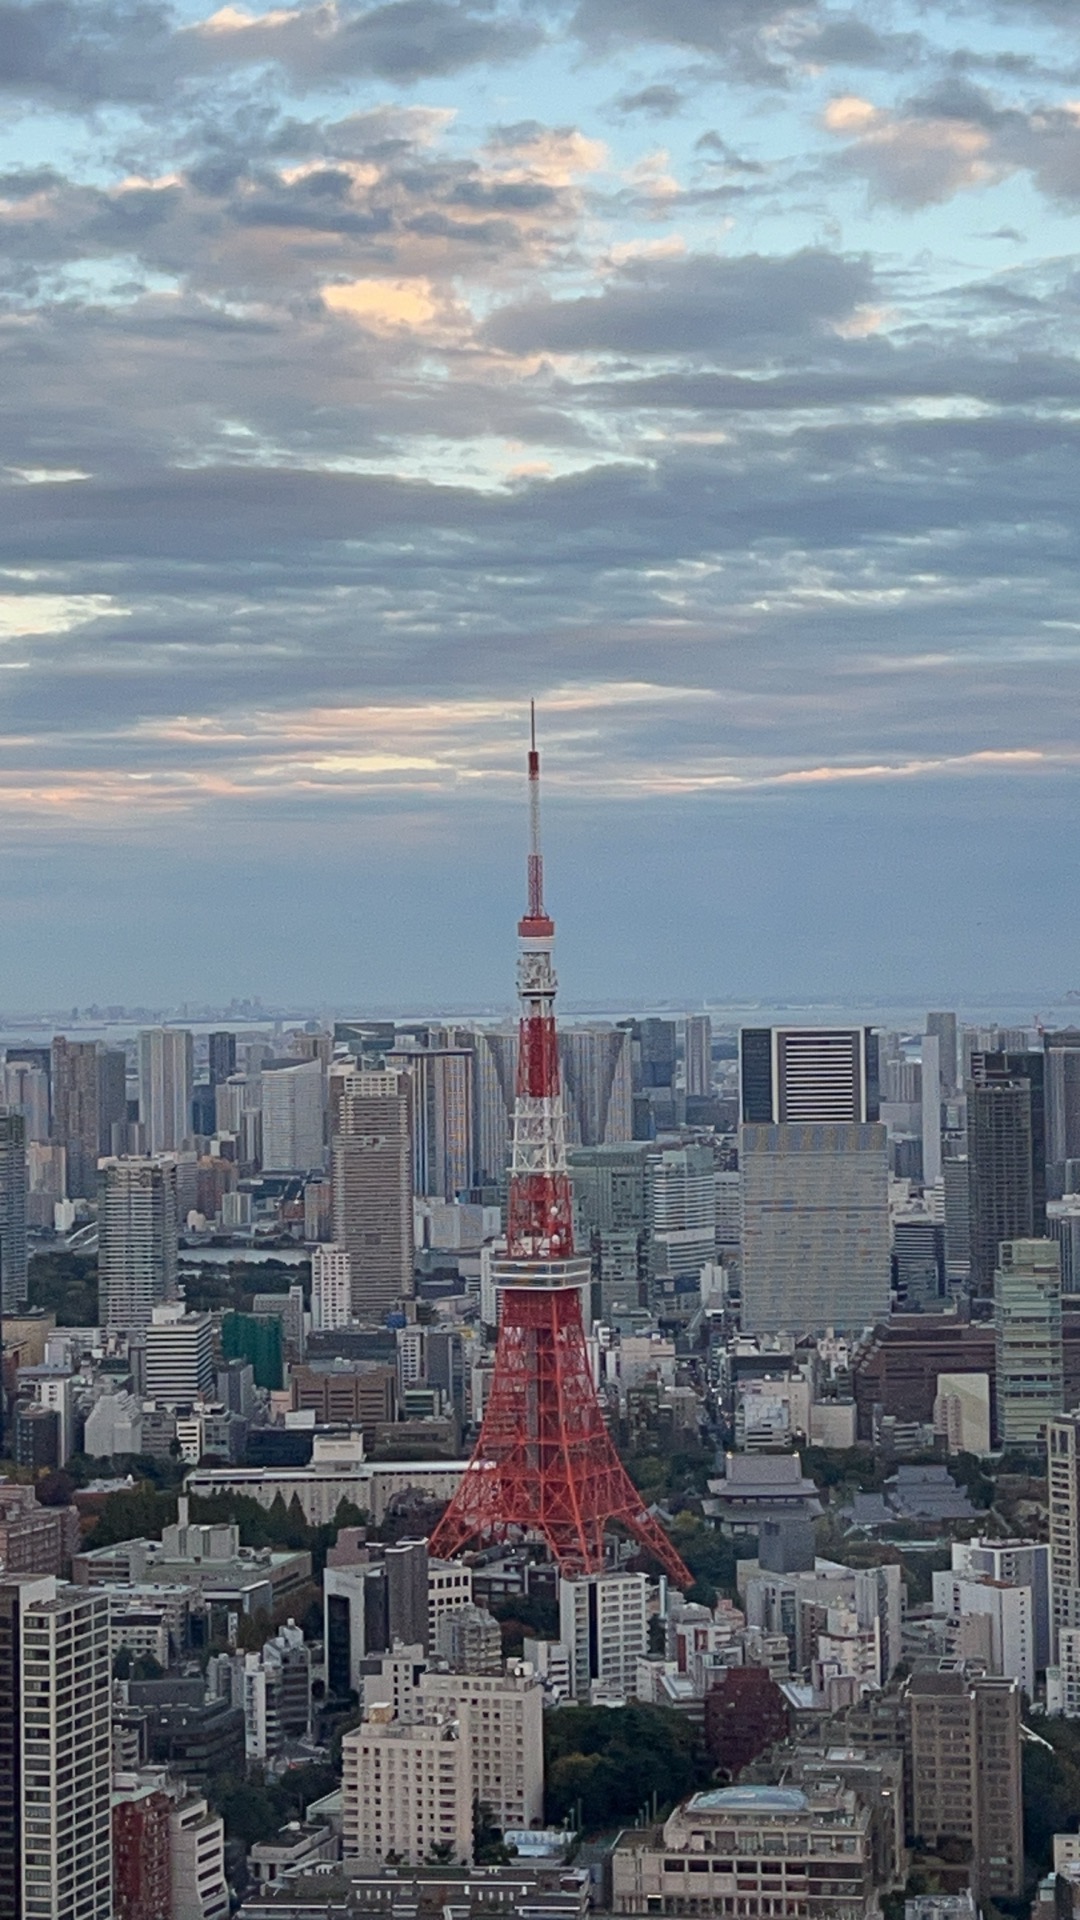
{"x":606,"y":1765}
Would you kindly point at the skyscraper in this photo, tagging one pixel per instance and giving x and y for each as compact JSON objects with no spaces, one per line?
{"x":1006,"y":1157}
{"x":813,"y":1160}
{"x":222,"y":1056}
{"x":26,"y":1091}
{"x":1062,"y":1105}
{"x":89,"y":1097}
{"x":55,"y":1751}
{"x":931,"y":1109}
{"x":1063,"y":1478}
{"x":698,"y":1055}
{"x":12,"y":1211}
{"x":373,"y":1188}
{"x":611,"y":1215}
{"x":942,"y":1028}
{"x":441,"y":1106}
{"x":292,"y":1115}
{"x":166,"y":1079}
{"x":138,"y":1233}
{"x":681,"y":1197}
{"x":793,"y":1074}
{"x":1028,"y":1330}
{"x":595,"y":1067}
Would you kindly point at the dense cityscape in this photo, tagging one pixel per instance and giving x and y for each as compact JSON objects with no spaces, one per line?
{"x":518,"y":1467}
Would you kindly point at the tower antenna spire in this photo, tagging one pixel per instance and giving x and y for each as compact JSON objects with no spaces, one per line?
{"x":544,"y":1462}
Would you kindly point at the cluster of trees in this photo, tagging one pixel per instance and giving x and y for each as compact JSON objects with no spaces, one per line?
{"x":65,"y":1284}
{"x":254,"y":1806}
{"x":605,"y":1764}
{"x":143,"y":1513}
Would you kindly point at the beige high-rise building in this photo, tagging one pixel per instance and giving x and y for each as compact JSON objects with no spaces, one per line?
{"x":55,"y":1751}
{"x":504,"y":1715}
{"x":166,"y":1081}
{"x":407,"y":1791}
{"x":965,"y":1772}
{"x":373,"y":1186}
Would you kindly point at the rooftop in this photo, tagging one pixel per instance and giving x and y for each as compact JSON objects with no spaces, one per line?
{"x":748,"y":1800}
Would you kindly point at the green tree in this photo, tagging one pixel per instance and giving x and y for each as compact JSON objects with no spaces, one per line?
{"x":613,"y":1761}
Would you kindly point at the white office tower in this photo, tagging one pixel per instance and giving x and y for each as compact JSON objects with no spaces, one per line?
{"x":292,"y":1116}
{"x":55,"y":1751}
{"x":1028,"y":1340}
{"x":504,"y":1714}
{"x":681,"y":1200}
{"x":166,"y":1083}
{"x":990,"y":1622}
{"x":407,"y":1791}
{"x":698,"y":1056}
{"x":138,"y":1236}
{"x":200,"y":1890}
{"x":603,"y":1621}
{"x":331,"y":1288}
{"x":179,"y":1355}
{"x":373,"y":1186}
{"x":931,"y":1109}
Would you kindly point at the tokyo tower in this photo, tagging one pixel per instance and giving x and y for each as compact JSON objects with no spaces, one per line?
{"x":544,"y":1462}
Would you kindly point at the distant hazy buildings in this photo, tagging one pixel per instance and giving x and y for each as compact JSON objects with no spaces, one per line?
{"x":292,"y":1115}
{"x":698,"y":1061}
{"x":166,"y":1079}
{"x":1006,"y":1128}
{"x":441,"y":1105}
{"x":89,"y":1098}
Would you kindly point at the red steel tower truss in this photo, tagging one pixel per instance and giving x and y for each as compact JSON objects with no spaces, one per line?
{"x":544,"y":1462}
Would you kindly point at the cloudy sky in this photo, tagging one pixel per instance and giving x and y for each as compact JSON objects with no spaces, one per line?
{"x":706,"y":368}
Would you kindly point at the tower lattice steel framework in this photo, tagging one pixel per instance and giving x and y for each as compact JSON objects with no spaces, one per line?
{"x":544,"y":1462}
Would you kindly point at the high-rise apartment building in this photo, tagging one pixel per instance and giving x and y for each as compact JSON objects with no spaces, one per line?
{"x":1063,"y":1476}
{"x":89,"y":1098}
{"x":331,"y":1288}
{"x":504,"y":1714}
{"x":55,"y":1752}
{"x":1013,"y":1563}
{"x":965,"y":1773}
{"x":292,"y":1116}
{"x":166,"y":1080}
{"x":793,"y":1075}
{"x":407,"y":1791}
{"x":373,"y":1188}
{"x":1029,"y":1342}
{"x":441,"y":1106}
{"x":1006,"y":1124}
{"x":603,"y":1622}
{"x":698,"y":1061}
{"x":138,"y":1236}
{"x":12,"y":1212}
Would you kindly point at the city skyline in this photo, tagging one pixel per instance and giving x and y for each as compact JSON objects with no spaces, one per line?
{"x":705,"y":372}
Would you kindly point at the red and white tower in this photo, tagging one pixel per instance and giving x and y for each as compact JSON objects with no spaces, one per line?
{"x":544,"y":1462}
